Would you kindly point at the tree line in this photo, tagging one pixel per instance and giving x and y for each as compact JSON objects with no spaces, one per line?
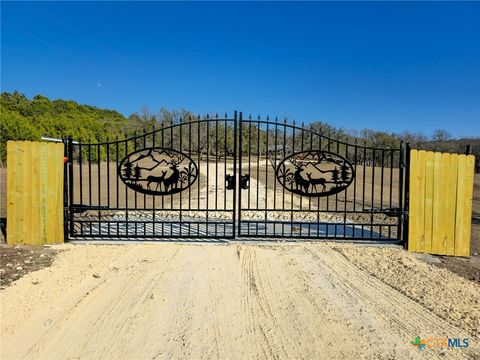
{"x":30,"y":119}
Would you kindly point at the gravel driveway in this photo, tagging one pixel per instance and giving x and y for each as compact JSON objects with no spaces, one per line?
{"x":233,"y":300}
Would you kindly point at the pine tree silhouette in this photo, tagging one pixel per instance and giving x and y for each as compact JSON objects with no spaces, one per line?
{"x":127,"y":170}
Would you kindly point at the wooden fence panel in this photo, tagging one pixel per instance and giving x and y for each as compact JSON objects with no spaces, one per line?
{"x":441,"y":198}
{"x":34,"y":192}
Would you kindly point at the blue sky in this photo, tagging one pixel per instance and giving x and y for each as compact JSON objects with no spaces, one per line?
{"x":385,"y":66}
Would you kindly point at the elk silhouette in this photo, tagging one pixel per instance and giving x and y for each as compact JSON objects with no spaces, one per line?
{"x":156,"y":179}
{"x":172,"y":181}
{"x":300,"y":182}
{"x":317,"y":181}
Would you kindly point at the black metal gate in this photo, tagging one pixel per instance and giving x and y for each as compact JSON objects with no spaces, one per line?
{"x":180,"y":181}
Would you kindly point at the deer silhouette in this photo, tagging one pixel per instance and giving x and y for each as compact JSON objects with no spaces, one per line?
{"x":300,"y":182}
{"x":315,"y":182}
{"x":156,"y":179}
{"x":172,"y":181}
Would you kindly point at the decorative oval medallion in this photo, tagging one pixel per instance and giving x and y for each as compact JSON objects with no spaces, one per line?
{"x":315,"y":173}
{"x":158,"y":171}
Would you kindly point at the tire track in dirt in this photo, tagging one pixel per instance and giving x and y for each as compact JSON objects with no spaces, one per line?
{"x":402,"y":317}
{"x":94,"y":306}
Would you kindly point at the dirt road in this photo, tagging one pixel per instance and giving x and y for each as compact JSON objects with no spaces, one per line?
{"x":165,"y":301}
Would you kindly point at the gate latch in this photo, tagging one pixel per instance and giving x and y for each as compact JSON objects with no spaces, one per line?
{"x":230,"y":182}
{"x":244,"y":181}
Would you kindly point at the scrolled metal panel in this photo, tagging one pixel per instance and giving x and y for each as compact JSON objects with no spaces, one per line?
{"x":315,"y":173}
{"x":158,"y":171}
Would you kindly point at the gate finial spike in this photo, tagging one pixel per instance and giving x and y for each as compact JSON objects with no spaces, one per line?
{"x":208,"y":116}
{"x":216,"y":115}
{"x":276,"y":118}
{"x":226,"y":115}
{"x":198,"y":116}
{"x":268,"y":118}
{"x":285,"y":120}
{"x":258,"y":117}
{"x":250,"y":117}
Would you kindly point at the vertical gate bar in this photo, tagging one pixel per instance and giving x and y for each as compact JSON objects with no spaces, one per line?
{"x":373,"y":193}
{"x":336,"y":194}
{"x":171,"y":147}
{"x":144,"y":195}
{"x":154,"y":215}
{"x":258,"y":165}
{"x":407,"y":198}
{"x":275,"y":171}
{"x":135,"y":192}
{"x":240,"y":172}
{"x":329,"y":143}
{"x":216,"y":165}
{"x":364,"y":178}
{"x":355,"y":179}
{"x":208,"y":171}
{"x":284,"y":154}
{"x":291,"y":197}
{"x":258,"y":171}
{"x":89,"y":173}
{"x":301,"y":149}
{"x":199,"y":161}
{"x":309,"y":198}
{"x":116,"y":177}
{"x":108,"y":180}
{"x":70,"y":182}
{"x":225,"y":164}
{"x":190,"y":188}
{"x":382,"y":166}
{"x":249,"y":161}
{"x":235,"y":177}
{"x":318,"y":199}
{"x":180,"y":194}
{"x":126,"y":191}
{"x":391,"y":190}
{"x":80,"y":171}
{"x":99,"y":191}
{"x":400,"y":191}
{"x":266,"y":178}
{"x":162,"y":130}
{"x":345,"y":196}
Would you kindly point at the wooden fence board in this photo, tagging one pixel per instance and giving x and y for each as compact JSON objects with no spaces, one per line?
{"x":34,"y":193}
{"x":441,"y":198}
{"x":451,"y":201}
{"x":429,"y":186}
{"x":413,"y":229}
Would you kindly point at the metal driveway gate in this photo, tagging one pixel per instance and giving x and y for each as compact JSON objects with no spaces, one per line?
{"x":180,"y":181}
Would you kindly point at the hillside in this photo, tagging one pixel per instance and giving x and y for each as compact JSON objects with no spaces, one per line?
{"x":25,"y":119}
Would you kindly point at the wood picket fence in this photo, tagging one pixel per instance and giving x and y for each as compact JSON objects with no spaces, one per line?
{"x":441,"y":194}
{"x":34,"y":192}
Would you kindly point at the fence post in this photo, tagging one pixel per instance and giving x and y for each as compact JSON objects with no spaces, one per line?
{"x":400,"y":191}
{"x":70,"y":185}
{"x":468,"y":149}
{"x":407,"y":197}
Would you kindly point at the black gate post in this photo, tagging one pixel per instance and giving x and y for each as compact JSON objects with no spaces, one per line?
{"x":240,"y":134}
{"x":235,"y":134}
{"x":65,"y":190}
{"x":407,"y":197}
{"x":400,"y":190}
{"x":70,"y":184}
